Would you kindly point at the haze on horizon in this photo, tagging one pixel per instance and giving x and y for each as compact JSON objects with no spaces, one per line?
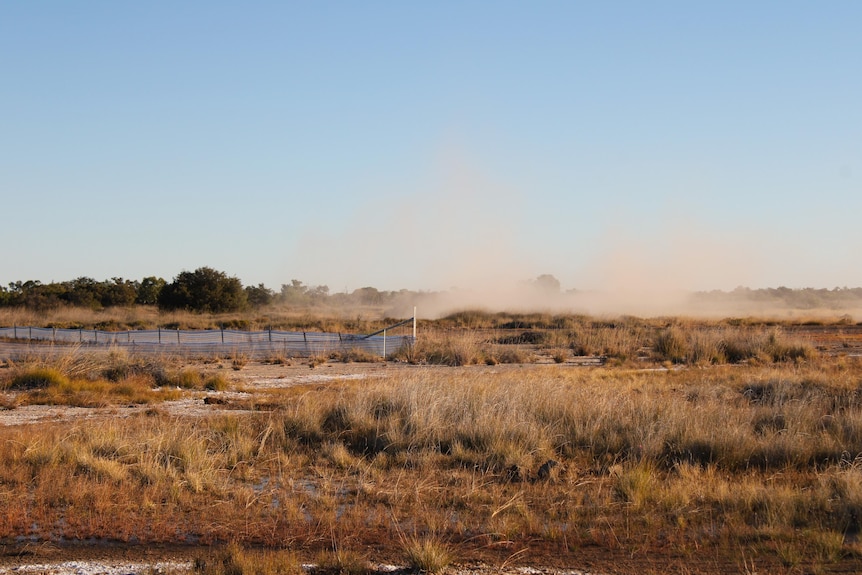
{"x":636,"y":149}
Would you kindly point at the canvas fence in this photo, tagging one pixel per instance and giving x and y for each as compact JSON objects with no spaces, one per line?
{"x":222,"y":341}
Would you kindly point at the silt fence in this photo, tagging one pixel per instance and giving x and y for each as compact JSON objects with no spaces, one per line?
{"x":254,"y":344}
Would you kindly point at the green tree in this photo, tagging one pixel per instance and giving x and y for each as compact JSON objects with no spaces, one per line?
{"x":119,"y":292}
{"x":83,"y":292}
{"x":149,"y":289}
{"x":203,"y":290}
{"x":33,"y":294}
{"x":259,"y":295}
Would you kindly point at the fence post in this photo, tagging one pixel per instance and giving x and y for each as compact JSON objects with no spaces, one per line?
{"x":160,"y":334}
{"x":384,"y":344}
{"x":414,"y":323}
{"x":80,"y":335}
{"x":30,"y":333}
{"x":178,"y":337}
{"x":15,"y":331}
{"x":54,"y":335}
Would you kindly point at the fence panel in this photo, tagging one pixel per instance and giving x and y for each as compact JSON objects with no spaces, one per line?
{"x":206,"y":342}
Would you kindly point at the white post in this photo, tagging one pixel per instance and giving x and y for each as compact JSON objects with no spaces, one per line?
{"x":384,"y":344}
{"x":414,"y":323}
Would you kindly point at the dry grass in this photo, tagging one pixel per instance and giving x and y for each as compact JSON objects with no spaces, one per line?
{"x":710,"y":345}
{"x":427,"y":554}
{"x":236,"y":560}
{"x":476,"y":337}
{"x":341,"y":561}
{"x":337,"y":320}
{"x":82,"y":378}
{"x":764,"y":455}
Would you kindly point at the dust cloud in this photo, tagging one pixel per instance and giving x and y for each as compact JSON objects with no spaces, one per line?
{"x":457,"y":241}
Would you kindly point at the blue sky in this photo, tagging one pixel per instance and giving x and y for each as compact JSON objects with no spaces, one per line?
{"x":426,"y":145}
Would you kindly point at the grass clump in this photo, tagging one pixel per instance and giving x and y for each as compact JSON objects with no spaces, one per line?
{"x":238,"y":361}
{"x":236,"y":560}
{"x":448,"y":348}
{"x":710,"y":345}
{"x":216,"y":382}
{"x":188,"y":379}
{"x":340,"y":561}
{"x":37,"y":378}
{"x":427,"y":554}
{"x":360,"y":355}
{"x":84,"y":380}
{"x":636,"y":485}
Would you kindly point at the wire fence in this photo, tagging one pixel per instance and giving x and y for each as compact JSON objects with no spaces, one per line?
{"x":254,"y":344}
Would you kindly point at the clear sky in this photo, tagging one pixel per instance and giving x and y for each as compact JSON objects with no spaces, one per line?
{"x":425,"y":145}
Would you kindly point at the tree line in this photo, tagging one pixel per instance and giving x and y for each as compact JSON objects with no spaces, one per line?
{"x":207,"y":290}
{"x":204,"y":290}
{"x":785,"y":297}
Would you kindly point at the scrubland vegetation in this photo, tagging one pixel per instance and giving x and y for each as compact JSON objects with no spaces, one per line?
{"x":688,"y":440}
{"x":206,"y":290}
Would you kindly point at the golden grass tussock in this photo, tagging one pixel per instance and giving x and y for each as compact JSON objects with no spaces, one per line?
{"x":342,"y":561}
{"x":427,"y":554}
{"x":234,"y":559}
